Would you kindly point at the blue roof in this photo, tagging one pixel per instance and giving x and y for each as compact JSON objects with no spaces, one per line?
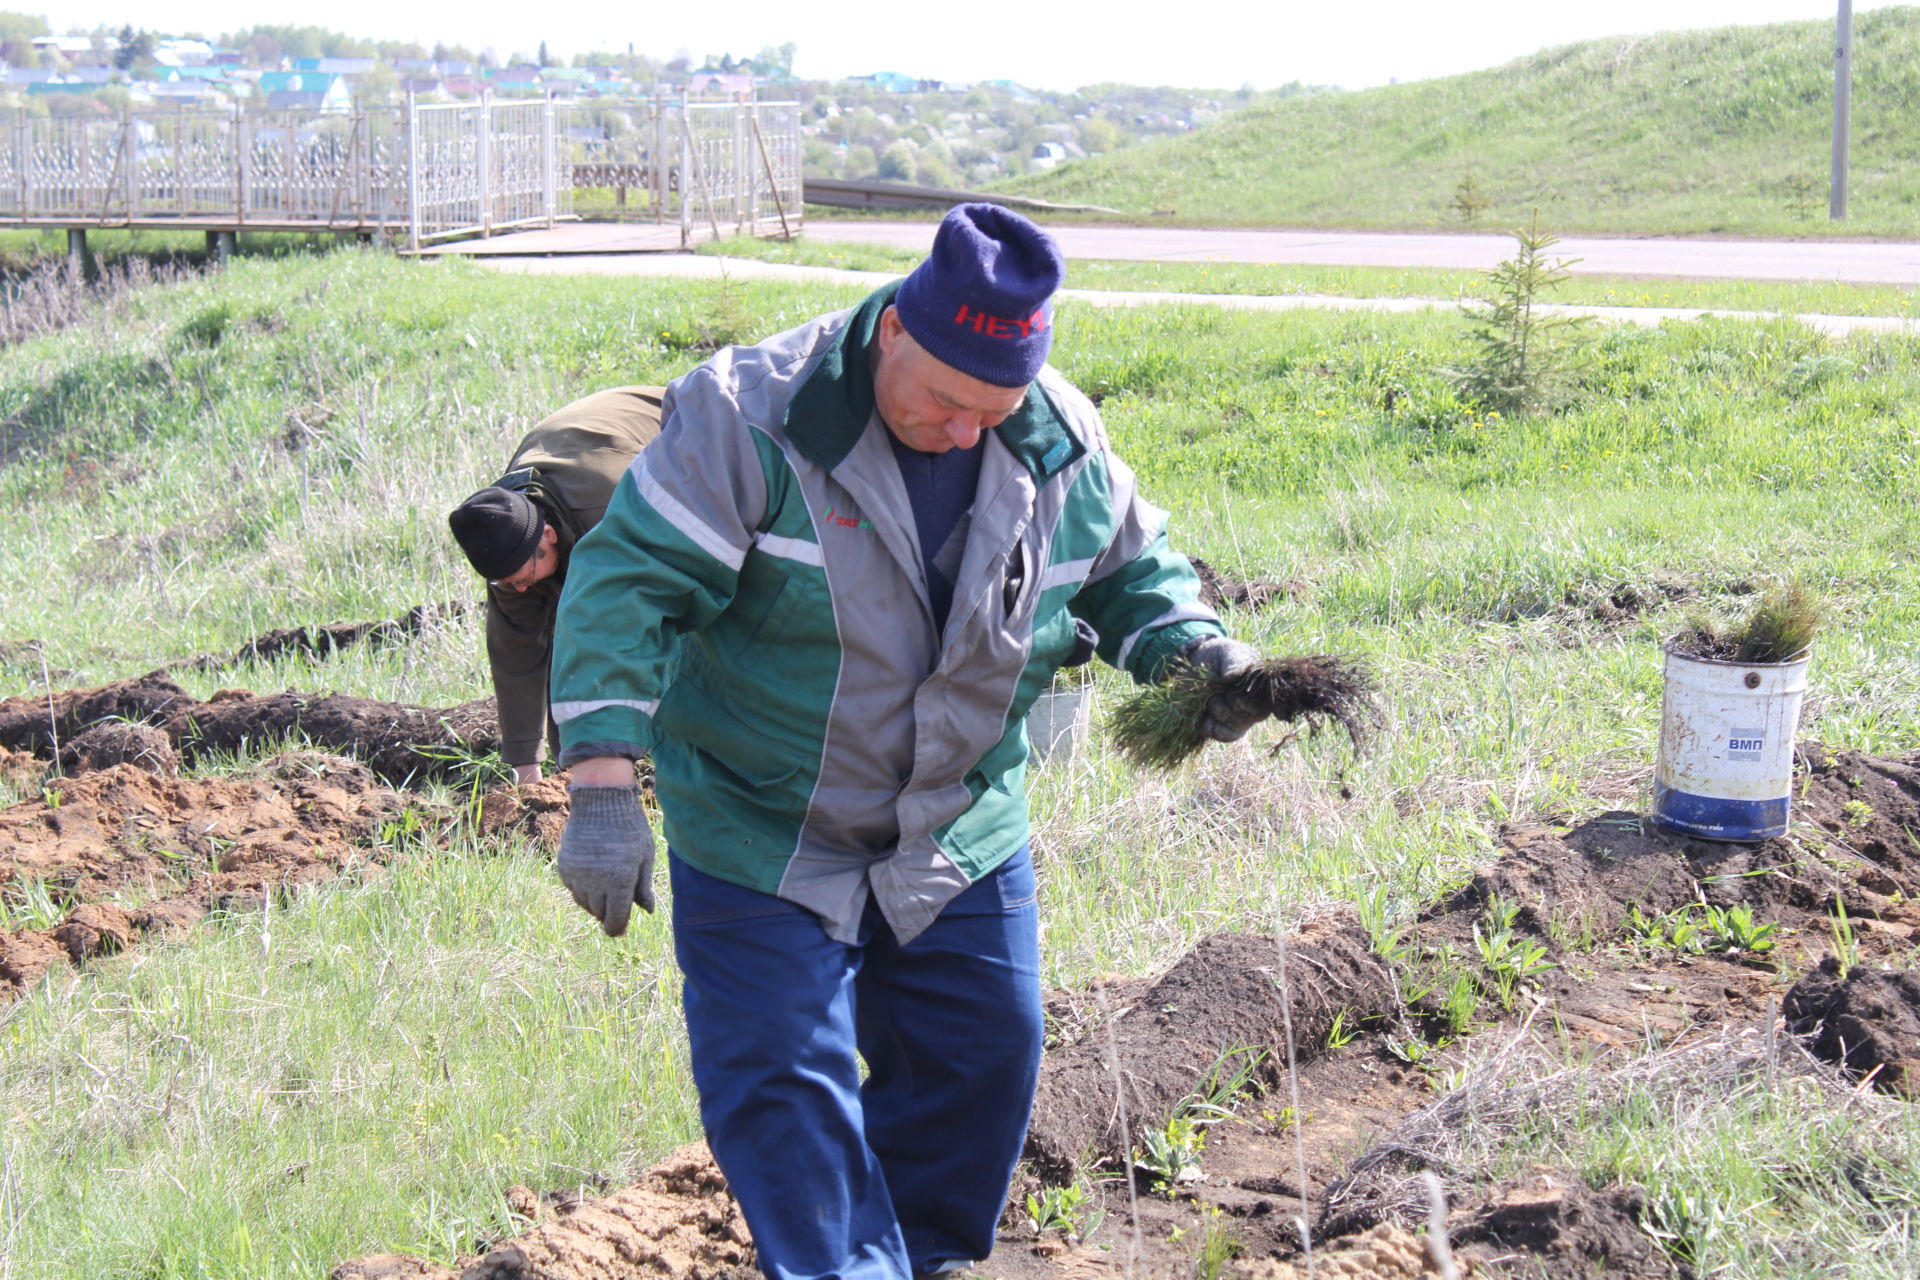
{"x":296,"y":81}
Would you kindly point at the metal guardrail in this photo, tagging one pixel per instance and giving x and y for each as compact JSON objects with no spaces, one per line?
{"x":872,"y":193}
{"x":421,"y":172}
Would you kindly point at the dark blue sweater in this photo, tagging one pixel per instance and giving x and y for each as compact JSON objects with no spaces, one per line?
{"x":940,"y":490}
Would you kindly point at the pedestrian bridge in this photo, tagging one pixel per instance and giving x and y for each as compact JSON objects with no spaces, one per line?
{"x":414,"y":174}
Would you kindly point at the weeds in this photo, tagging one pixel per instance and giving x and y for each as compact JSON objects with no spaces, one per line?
{"x":1734,"y":929}
{"x":1170,"y":1153}
{"x":56,"y":294}
{"x":30,"y":904}
{"x":1846,"y":943}
{"x":1063,"y":1209}
{"x":1218,"y":1246}
{"x":1697,"y":929}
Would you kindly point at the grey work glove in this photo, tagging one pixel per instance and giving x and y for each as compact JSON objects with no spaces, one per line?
{"x":606,"y":855}
{"x":1229,"y":714}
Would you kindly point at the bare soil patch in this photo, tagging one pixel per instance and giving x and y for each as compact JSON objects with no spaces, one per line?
{"x":1339,"y":1142}
{"x":129,"y":854}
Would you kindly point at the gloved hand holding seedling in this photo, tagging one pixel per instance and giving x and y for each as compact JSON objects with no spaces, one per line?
{"x":1216,"y":689}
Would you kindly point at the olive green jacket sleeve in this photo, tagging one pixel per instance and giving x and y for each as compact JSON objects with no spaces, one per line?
{"x":520,"y":650}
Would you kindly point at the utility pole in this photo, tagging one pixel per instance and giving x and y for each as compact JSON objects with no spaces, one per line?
{"x":1842,"y":108}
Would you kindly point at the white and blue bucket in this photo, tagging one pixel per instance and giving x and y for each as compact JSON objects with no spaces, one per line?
{"x":1725,"y":769}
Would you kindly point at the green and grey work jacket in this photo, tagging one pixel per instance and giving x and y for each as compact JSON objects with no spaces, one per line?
{"x":753,"y":611}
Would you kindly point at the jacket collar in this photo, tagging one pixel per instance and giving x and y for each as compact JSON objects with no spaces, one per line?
{"x":833,"y":406}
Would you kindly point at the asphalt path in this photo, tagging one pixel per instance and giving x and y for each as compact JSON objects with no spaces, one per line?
{"x":1846,"y":261}
{"x":688,"y":266}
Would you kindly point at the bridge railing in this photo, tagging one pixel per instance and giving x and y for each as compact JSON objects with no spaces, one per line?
{"x":709,"y":167}
{"x":416,"y":171}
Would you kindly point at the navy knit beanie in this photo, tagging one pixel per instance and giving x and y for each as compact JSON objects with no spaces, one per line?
{"x":499,"y":529}
{"x":982,"y":302}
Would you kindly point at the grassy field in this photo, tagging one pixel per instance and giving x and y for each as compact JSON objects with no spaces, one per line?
{"x":1370,"y":282}
{"x":1725,"y":130}
{"x":366,"y":1068}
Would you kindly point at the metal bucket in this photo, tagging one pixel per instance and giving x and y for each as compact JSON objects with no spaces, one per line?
{"x":1725,"y":770}
{"x":1060,"y":721}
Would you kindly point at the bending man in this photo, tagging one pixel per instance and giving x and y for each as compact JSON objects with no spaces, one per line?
{"x":824,"y":600}
{"x":519,"y":533}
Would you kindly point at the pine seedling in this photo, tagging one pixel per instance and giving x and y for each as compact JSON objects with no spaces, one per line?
{"x":1161,"y":725}
{"x":1782,"y":625}
{"x":1780,"y":629}
{"x":1522,"y":363}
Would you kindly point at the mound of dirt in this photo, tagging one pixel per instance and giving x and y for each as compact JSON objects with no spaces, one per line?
{"x":539,"y":809}
{"x":1868,"y":1022}
{"x":1870,"y":806}
{"x":184,"y":846}
{"x":1384,"y":1253}
{"x":335,"y":637}
{"x":1556,"y":1227}
{"x":1224,"y":995}
{"x":400,"y":741}
{"x":31,"y":722}
{"x":117,"y":742}
{"x":678,"y":1221}
{"x":1218,"y":590}
{"x":21,"y":768}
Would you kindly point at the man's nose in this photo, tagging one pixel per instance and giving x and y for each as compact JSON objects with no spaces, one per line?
{"x":964,"y":430}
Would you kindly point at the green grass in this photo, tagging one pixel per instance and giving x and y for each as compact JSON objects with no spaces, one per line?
{"x":22,"y":249}
{"x":1371,"y":282}
{"x":367,"y":1068}
{"x":364,"y":1070}
{"x":1697,"y":131}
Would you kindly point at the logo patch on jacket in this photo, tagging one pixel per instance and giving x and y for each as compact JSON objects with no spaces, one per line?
{"x":846,"y":521}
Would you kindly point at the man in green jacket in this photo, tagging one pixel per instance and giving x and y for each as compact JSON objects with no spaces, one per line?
{"x":519,"y":533}
{"x":823,"y":601}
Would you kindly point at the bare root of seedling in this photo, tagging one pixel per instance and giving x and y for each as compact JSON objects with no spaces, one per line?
{"x":1162,"y":725}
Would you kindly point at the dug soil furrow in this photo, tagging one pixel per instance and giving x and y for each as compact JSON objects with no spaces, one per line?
{"x":398,"y":741}
{"x":1654,"y":959}
{"x":331,"y":639}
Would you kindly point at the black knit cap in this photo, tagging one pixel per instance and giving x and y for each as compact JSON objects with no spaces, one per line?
{"x":499,"y":529}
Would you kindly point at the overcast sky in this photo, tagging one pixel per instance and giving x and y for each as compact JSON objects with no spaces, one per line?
{"x":1044,"y":43}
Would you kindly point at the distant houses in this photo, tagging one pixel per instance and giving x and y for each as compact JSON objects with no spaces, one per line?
{"x":197,"y":73}
{"x":306,"y":90}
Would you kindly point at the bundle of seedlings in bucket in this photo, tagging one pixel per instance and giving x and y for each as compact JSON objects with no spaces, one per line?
{"x":1163,"y":724}
{"x":1780,"y":629}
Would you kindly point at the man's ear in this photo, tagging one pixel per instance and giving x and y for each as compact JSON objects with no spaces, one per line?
{"x":891,"y":331}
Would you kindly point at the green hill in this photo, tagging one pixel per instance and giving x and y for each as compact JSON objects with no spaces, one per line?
{"x":1720,"y":130}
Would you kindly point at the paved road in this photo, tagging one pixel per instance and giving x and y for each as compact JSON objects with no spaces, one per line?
{"x":688,"y":266}
{"x":1858,"y":262}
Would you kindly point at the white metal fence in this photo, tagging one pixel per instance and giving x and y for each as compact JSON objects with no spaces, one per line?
{"x":717,"y":167}
{"x":420,"y":172}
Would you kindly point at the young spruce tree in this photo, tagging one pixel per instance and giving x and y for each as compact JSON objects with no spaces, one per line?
{"x":1525,"y":357}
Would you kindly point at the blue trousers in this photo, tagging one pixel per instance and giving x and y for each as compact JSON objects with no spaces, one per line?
{"x":903,"y":1175}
